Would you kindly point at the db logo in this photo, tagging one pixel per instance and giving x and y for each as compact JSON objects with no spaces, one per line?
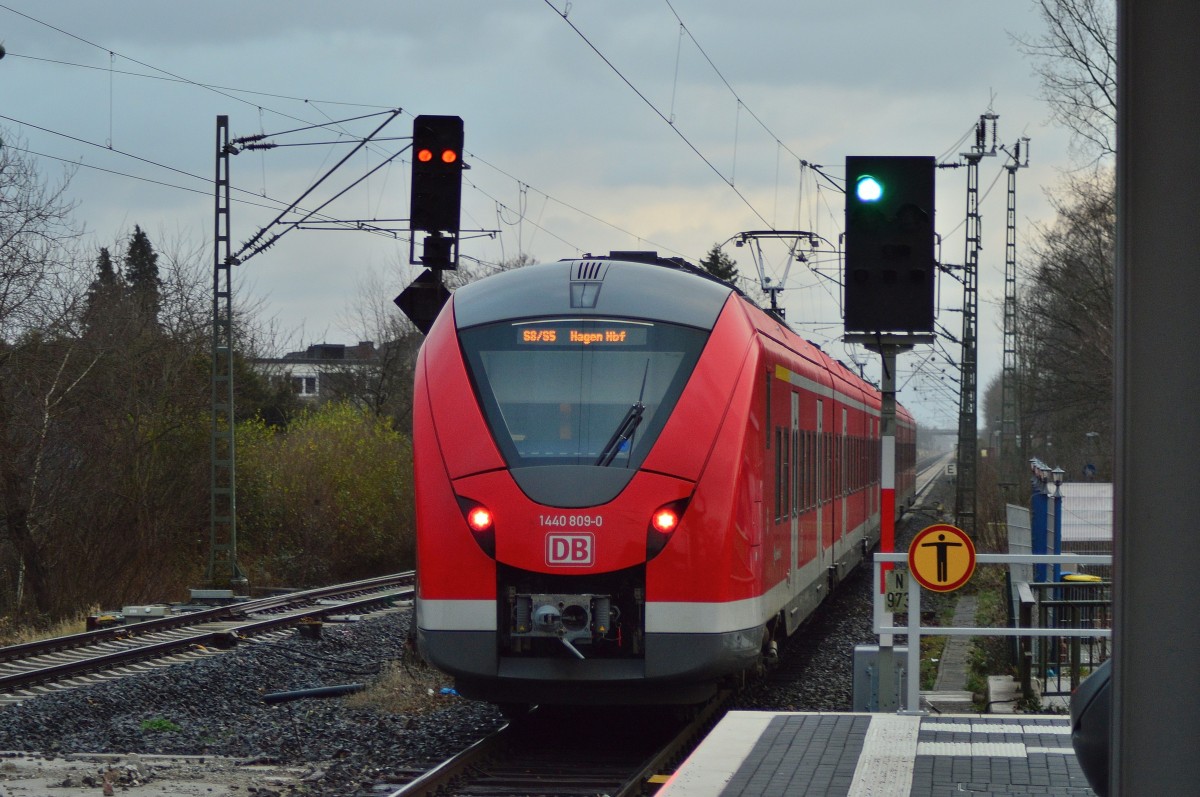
{"x":570,"y":550}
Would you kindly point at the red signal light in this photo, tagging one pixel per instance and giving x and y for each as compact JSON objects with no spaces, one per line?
{"x":424,"y":155}
{"x":479,"y":519}
{"x":665,"y":520}
{"x":663,"y":523}
{"x":481,"y":523}
{"x":449,"y":156}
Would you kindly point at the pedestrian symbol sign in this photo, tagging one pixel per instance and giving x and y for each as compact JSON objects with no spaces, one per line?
{"x":941,"y":558}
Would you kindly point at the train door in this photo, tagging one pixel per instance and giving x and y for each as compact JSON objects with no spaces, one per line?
{"x":794,"y":487}
{"x":821,"y":477}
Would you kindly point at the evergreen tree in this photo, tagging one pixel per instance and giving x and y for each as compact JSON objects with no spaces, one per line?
{"x":104,"y":294}
{"x":719,"y":264}
{"x":106,"y":273}
{"x":141,"y":272}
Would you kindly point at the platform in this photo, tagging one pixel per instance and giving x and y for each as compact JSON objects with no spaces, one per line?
{"x":881,"y":755}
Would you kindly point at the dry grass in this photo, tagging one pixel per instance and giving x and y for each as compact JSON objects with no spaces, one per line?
{"x":13,"y":634}
{"x":410,"y":687}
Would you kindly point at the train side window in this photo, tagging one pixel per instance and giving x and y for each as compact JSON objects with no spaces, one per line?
{"x":805,"y":467}
{"x":814,"y":447}
{"x":829,"y":457}
{"x":779,"y":471}
{"x":796,"y":473}
{"x":785,"y":478}
{"x":854,"y":465}
{"x":859,"y":449}
{"x":842,"y":458}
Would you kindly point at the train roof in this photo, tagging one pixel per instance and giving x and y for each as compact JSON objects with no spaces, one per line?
{"x":632,"y":284}
{"x":623,"y":284}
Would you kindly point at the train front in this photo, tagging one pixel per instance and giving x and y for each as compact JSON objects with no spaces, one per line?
{"x":542,"y":500}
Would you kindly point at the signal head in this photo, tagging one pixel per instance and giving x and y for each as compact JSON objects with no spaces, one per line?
{"x":868,"y":189}
{"x":437,"y":174}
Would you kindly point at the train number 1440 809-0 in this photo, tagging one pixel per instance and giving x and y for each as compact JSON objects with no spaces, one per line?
{"x":565,"y":521}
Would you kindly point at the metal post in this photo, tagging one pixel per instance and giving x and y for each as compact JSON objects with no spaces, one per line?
{"x":888,"y":697}
{"x":223,"y":570}
{"x":1009,"y":461}
{"x":1057,"y":502}
{"x":1039,"y":530}
{"x":913,"y":696}
{"x":968,"y":425}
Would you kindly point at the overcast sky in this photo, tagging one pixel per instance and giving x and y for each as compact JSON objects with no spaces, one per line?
{"x":591,"y":125}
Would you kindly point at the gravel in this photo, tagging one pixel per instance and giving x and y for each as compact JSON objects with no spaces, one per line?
{"x":214,"y":706}
{"x":816,"y":671}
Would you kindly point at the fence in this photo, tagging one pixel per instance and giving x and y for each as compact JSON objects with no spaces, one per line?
{"x":913,"y":630}
{"x":1060,"y":662}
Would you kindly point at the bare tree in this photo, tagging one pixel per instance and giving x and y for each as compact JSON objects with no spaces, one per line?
{"x":385,"y":387}
{"x":1066,"y":318}
{"x":1076,"y":59}
{"x":40,"y":289}
{"x":35,"y":230}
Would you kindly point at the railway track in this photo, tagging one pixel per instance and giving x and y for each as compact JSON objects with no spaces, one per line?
{"x":585,"y":751}
{"x":33,"y":668}
{"x":572,"y":753}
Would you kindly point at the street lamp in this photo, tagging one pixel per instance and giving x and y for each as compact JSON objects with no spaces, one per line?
{"x":1057,"y":474}
{"x":1039,"y":475}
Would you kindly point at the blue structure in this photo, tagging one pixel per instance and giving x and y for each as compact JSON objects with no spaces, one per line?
{"x":1045,"y":511}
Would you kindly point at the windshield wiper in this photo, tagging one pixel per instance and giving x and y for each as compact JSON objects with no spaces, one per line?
{"x":625,"y":429}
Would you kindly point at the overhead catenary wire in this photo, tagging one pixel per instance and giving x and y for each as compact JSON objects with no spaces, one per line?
{"x":650,"y":104}
{"x":198,"y":84}
{"x":148,"y":161}
{"x":166,"y":72}
{"x":250,"y":246}
{"x":742,"y":104}
{"x":822,"y":180}
{"x":228,"y":91}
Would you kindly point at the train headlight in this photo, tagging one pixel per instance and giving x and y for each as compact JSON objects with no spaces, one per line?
{"x":479,"y":519}
{"x":481,"y":523}
{"x":663,"y":522}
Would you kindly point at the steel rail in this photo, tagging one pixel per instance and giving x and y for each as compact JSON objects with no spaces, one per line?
{"x":555,"y":772}
{"x":667,"y":758}
{"x":26,"y":650}
{"x":434,"y":781}
{"x":225,"y":637}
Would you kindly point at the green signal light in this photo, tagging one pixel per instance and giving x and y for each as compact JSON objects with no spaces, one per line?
{"x":868,"y":189}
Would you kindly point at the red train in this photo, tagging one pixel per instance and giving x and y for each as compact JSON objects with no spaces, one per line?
{"x":630,"y":482}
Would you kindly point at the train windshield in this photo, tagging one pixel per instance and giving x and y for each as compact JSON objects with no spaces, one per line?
{"x":579,"y":391}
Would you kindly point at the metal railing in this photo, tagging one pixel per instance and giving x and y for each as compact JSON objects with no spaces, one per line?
{"x":1061,"y":662}
{"x":913,"y":630}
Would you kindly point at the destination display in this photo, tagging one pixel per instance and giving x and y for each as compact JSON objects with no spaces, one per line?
{"x":577,"y":335}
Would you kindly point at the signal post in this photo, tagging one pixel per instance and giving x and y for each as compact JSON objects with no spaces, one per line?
{"x":435,"y":208}
{"x":888,"y":306}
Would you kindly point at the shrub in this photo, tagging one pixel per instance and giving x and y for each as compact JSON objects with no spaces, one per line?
{"x":327,"y":499}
